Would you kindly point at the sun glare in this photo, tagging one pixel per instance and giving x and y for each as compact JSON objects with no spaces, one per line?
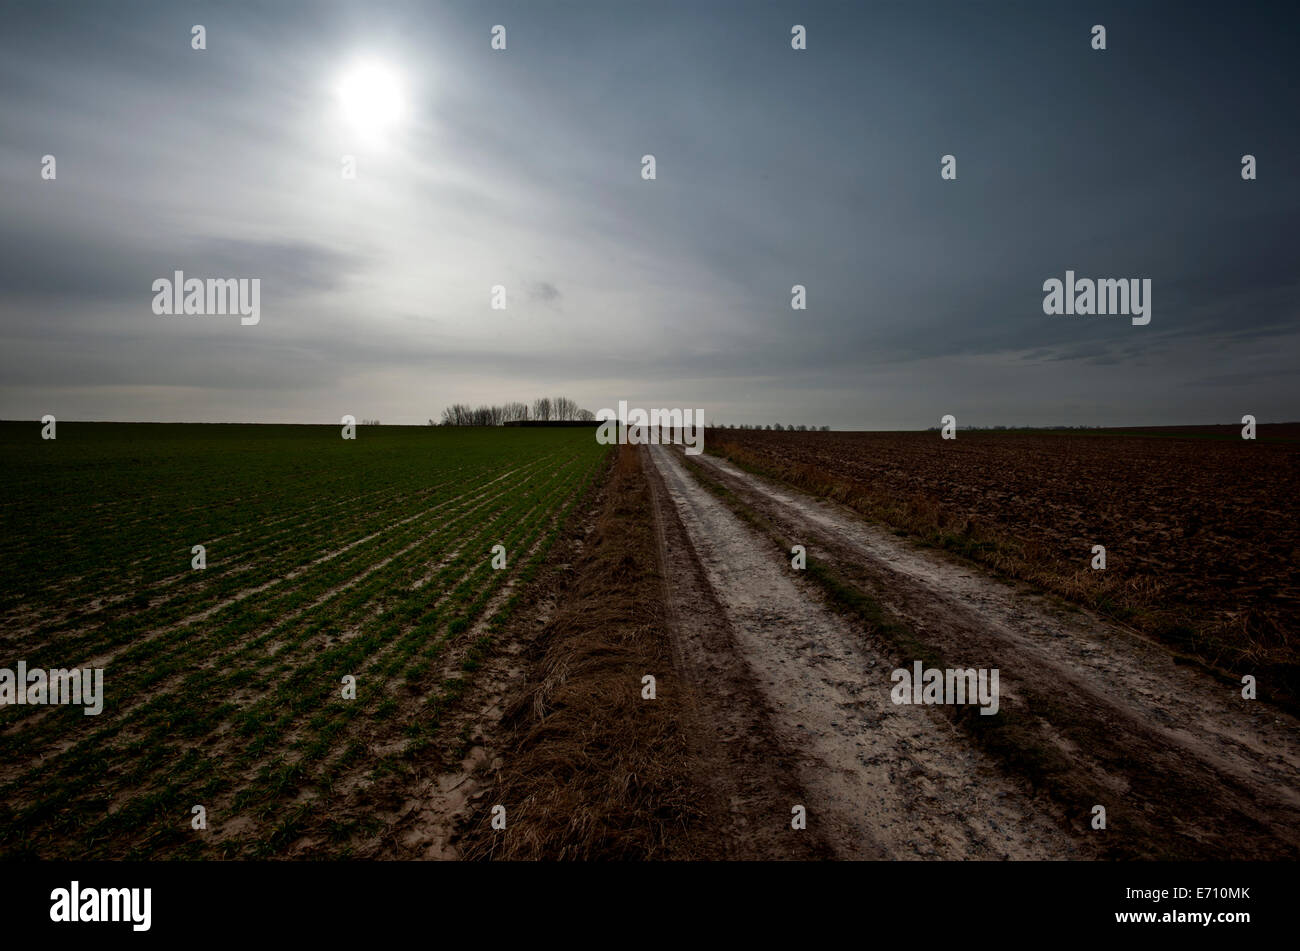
{"x":371,"y":98}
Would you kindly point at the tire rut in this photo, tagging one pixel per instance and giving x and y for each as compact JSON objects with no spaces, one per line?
{"x":879,"y":780}
{"x":1189,"y":768}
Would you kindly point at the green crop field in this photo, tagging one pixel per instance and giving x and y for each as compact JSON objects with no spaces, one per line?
{"x":224,"y":686}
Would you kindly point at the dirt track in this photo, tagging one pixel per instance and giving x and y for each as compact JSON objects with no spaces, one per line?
{"x":793,"y":700}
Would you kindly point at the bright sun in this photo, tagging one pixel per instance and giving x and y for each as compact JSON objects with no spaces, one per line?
{"x":371,"y":97}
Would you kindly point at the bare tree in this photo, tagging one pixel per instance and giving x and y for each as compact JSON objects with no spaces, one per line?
{"x":546,"y":409}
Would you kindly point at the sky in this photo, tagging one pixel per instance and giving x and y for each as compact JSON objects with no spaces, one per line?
{"x":522,"y":167}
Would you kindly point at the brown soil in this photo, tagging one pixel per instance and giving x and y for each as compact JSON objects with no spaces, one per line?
{"x":591,"y":770}
{"x":1201,"y":548}
{"x":1092,"y":713}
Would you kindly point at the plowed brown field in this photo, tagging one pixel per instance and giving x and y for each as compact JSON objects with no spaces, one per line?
{"x":1202,"y":546}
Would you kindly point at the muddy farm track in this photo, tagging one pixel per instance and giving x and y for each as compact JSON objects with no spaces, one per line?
{"x":792,"y":696}
{"x":1091,"y":714}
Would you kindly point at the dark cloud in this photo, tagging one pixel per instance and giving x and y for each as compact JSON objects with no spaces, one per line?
{"x":286,"y":267}
{"x":775,"y":168}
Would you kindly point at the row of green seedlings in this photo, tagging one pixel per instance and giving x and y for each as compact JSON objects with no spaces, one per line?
{"x":376,"y":654}
{"x":105,"y":574}
{"x":115,"y":575}
{"x":167,"y":617}
{"x":159,"y":634}
{"x":342,"y":533}
{"x":205,"y":489}
{"x":157,"y":502}
{"x":140,"y":671}
{"x":421,"y":724}
{"x":118,"y":586}
{"x":224,"y":578}
{"x":320,"y":530}
{"x":151,"y":746}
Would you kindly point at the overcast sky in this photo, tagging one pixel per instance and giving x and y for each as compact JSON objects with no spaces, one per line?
{"x":775,"y":167}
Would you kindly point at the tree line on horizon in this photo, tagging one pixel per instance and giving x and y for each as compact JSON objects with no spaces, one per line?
{"x":559,"y":409}
{"x":776,"y":427}
{"x":562,"y":409}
